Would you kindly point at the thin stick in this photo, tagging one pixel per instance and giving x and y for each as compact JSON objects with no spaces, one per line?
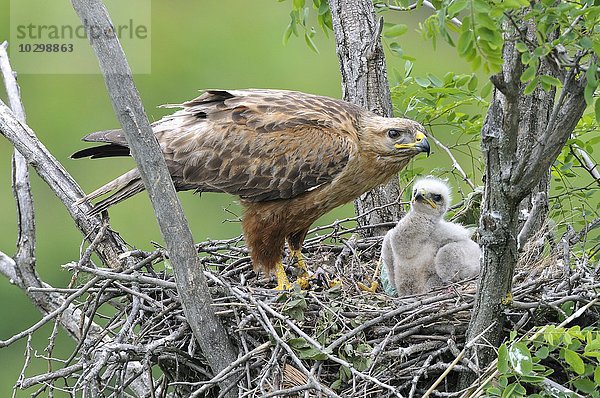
{"x":455,"y":163}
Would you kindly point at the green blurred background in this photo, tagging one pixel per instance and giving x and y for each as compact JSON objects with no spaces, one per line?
{"x":195,"y":45}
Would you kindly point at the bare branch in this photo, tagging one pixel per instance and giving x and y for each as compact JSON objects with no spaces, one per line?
{"x":62,"y":184}
{"x":532,"y":224}
{"x":566,"y":113}
{"x":144,"y":148}
{"x":455,"y":163}
{"x":586,"y":162}
{"x":25,"y":255}
{"x":8,"y":268}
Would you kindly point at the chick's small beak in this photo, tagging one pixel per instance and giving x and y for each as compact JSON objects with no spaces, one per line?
{"x":421,"y":144}
{"x":422,"y":196}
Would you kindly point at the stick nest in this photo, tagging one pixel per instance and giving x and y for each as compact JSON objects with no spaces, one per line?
{"x":322,"y":342}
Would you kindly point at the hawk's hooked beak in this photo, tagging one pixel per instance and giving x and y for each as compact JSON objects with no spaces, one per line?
{"x":421,"y":144}
{"x":422,"y":195}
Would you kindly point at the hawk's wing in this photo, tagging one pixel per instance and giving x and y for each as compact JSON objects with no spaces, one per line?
{"x":258,"y":144}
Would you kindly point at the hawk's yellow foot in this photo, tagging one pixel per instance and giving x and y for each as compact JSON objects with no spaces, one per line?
{"x":372,"y":288}
{"x":304,"y":282}
{"x":298,"y":255}
{"x":373,"y":281}
{"x":283,"y":283}
{"x":304,"y":279}
{"x":508,"y":299}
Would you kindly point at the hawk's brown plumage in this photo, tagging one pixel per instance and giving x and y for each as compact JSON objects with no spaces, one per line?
{"x":289,"y":156}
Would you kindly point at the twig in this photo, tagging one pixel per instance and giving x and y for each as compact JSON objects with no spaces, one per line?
{"x":221,"y":375}
{"x":455,"y":163}
{"x":414,"y":6}
{"x":531,"y":226}
{"x":64,"y":372}
{"x":60,"y":182}
{"x":50,"y":315}
{"x":586,"y":162}
{"x":119,"y":276}
{"x":456,"y":361}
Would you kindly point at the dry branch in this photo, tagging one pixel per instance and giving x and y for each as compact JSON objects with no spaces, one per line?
{"x":128,"y":107}
{"x":62,"y":184}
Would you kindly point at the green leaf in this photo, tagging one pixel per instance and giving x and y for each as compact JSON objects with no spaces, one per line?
{"x":396,"y":49}
{"x":472,"y":86}
{"x":528,"y":74}
{"x":510,"y":391}
{"x":597,"y":109}
{"x":550,"y":80}
{"x":566,"y":166}
{"x":522,"y":47}
{"x":298,"y":4}
{"x":543,"y":352}
{"x":465,"y":43}
{"x":532,"y":379}
{"x":585,"y":385}
{"x":310,"y":43}
{"x":435,"y":80}
{"x":423,"y":82}
{"x":596,"y":46}
{"x":486,"y":89}
{"x":297,"y":342}
{"x":312,"y":353}
{"x":503,"y":359}
{"x":288,"y":32}
{"x":597,"y":375}
{"x":574,"y":360}
{"x":408,"y":66}
{"x":590,"y":74}
{"x":586,"y":43}
{"x":531,"y":86}
{"x":457,"y":6}
{"x":396,"y":30}
{"x":520,"y":358}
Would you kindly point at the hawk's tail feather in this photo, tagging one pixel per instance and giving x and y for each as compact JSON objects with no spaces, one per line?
{"x":123,"y":187}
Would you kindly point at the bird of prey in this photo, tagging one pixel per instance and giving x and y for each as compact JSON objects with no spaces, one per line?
{"x":290,"y":157}
{"x":423,"y":250}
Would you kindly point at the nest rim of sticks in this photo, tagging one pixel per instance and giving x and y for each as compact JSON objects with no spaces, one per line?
{"x":329,"y":342}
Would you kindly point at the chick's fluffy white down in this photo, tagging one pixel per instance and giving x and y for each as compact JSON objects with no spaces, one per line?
{"x":423,"y":250}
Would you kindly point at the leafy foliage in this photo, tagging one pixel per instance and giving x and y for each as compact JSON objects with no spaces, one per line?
{"x":574,"y":197}
{"x":452,"y":105}
{"x":569,"y":357}
{"x":568,"y":35}
{"x":300,"y":21}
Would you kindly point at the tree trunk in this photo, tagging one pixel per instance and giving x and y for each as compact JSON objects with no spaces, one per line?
{"x":364,"y":82}
{"x":521,"y":138}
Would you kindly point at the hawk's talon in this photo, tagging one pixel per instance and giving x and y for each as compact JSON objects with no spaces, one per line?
{"x":283,"y":283}
{"x":304,"y":282}
{"x":508,"y":299}
{"x":371,"y":289}
{"x":297,"y":254}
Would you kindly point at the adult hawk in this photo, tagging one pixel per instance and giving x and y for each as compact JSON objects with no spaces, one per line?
{"x":424,"y":251}
{"x":289,"y":156}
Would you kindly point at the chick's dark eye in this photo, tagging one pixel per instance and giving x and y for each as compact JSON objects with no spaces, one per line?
{"x":436,"y":197}
{"x":393,"y":133}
